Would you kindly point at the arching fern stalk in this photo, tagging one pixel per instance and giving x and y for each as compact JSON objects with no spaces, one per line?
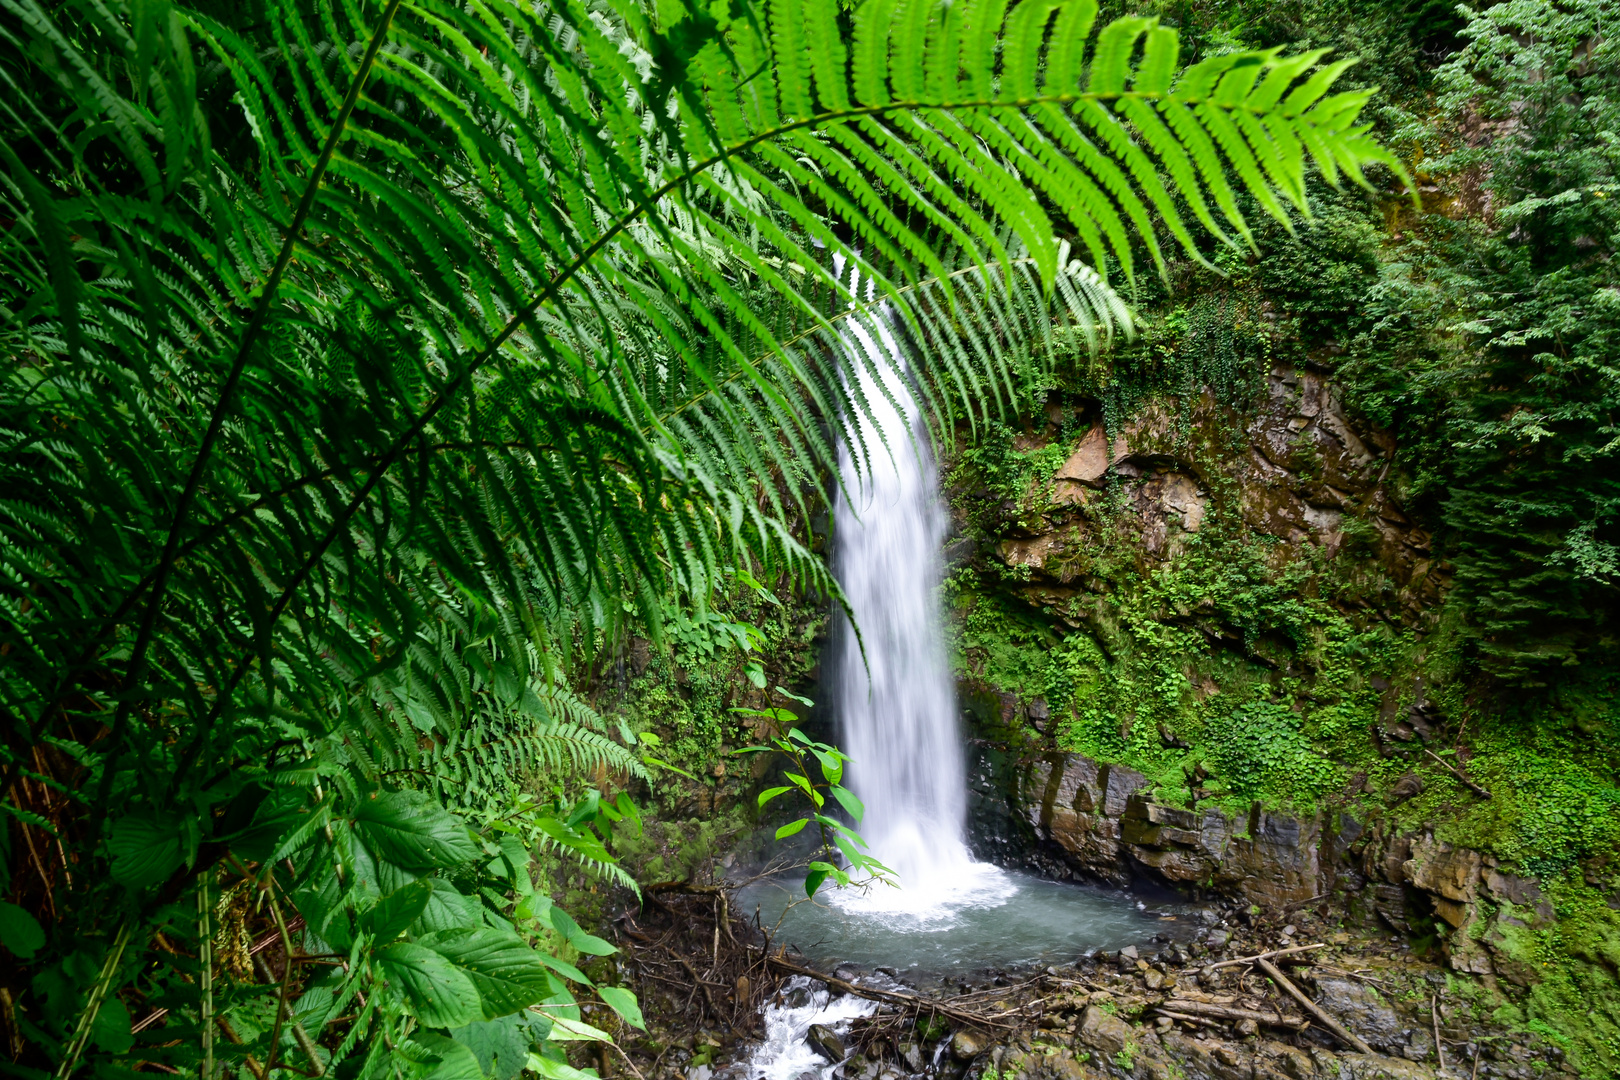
{"x":367,"y":360}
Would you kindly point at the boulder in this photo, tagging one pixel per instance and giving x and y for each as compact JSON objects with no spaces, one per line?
{"x":1360,"y":1008}
{"x":1097,"y":816}
{"x":1091,"y":459}
{"x":1407,"y":787}
{"x":826,"y":1042}
{"x":1103,"y":1032}
{"x":1448,"y":872}
{"x":967,"y":1045}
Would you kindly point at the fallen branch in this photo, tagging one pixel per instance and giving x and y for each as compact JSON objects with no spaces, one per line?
{"x":1265,"y":956}
{"x":1232,"y":1012}
{"x":1348,"y":1038}
{"x":892,"y":997}
{"x":1458,"y":773}
{"x":1186,"y":1018}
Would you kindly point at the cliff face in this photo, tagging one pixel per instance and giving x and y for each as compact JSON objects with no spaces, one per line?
{"x":1293,"y":468}
{"x":1099,"y":821}
{"x":1203,"y":643}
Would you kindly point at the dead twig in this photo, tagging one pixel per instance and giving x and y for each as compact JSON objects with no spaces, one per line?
{"x":1311,"y":1007}
{"x":1233,"y":1012}
{"x":1434,"y":1018}
{"x":1458,"y":773}
{"x":1186,"y":1018}
{"x":1265,"y":956}
{"x":701,"y":985}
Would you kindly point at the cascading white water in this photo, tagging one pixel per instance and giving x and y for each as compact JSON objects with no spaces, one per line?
{"x":897,"y":705}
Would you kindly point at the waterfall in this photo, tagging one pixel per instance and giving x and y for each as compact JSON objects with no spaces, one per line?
{"x":897,"y":709}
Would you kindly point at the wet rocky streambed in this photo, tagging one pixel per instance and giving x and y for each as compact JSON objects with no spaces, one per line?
{"x":1186,"y":1004}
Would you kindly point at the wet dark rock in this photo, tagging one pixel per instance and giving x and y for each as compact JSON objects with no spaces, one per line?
{"x":911,"y":1054}
{"x":1407,"y":787}
{"x":826,"y":1042}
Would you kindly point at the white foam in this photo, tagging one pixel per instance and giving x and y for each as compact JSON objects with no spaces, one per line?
{"x":784,"y":1055}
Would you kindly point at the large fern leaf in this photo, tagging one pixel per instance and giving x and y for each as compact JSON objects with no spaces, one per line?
{"x":350,"y":343}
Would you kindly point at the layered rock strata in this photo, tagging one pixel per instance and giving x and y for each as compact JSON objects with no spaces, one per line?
{"x":1099,"y":821}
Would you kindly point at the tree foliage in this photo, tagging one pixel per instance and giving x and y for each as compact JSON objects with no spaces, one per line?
{"x":367,"y":361}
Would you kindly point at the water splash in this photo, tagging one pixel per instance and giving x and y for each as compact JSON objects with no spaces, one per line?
{"x":784,"y":1054}
{"x":897,"y":710}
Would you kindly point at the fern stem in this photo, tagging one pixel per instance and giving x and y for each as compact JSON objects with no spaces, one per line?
{"x":216,"y":422}
{"x":98,"y":996}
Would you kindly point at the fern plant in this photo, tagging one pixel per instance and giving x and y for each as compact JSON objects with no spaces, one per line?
{"x":367,"y":361}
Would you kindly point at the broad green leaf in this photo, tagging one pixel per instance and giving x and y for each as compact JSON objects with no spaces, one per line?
{"x":111,"y":1029}
{"x":791,"y":828}
{"x":624,"y":1003}
{"x":145,"y":850}
{"x":770,"y":793}
{"x":20,"y":932}
{"x":846,"y":798}
{"x":438,"y":992}
{"x":412,"y":830}
{"x":501,"y":1046}
{"x":565,"y":969}
{"x":555,"y":1070}
{"x":506,"y":971}
{"x":565,"y":1029}
{"x":391,"y":915}
{"x":446,"y":909}
{"x":443,"y":1058}
{"x":579,"y":939}
{"x":813,"y":880}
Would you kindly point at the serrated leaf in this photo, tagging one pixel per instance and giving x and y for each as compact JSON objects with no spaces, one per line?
{"x":506,"y":971}
{"x":412,"y":830}
{"x":394,"y":913}
{"x":439,"y":993}
{"x":145,"y":850}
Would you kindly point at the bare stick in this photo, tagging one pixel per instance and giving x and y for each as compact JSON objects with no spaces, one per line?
{"x":1233,"y":1012}
{"x":1439,"y":1047}
{"x":1458,"y":773}
{"x":1265,"y":956}
{"x":1348,"y":1038}
{"x":1186,"y":1018}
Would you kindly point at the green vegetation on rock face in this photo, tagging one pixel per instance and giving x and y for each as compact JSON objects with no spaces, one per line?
{"x":1361,"y":529}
